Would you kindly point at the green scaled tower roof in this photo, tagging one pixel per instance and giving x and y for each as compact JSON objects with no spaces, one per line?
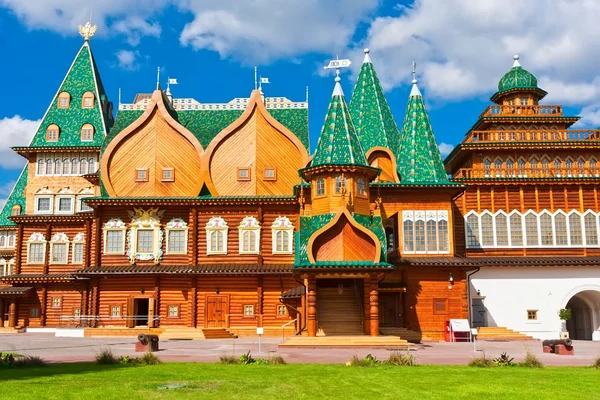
{"x":419,"y":160}
{"x":517,"y":78}
{"x":16,"y":198}
{"x":82,"y":77}
{"x":338,"y":143}
{"x":371,"y":114}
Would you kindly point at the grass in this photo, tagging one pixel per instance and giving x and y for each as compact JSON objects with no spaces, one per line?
{"x":295,"y":381}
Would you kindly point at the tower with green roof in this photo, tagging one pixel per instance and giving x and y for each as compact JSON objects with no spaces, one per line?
{"x":375,"y":125}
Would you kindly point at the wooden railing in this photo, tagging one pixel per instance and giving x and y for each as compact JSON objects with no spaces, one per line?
{"x":532,"y":136}
{"x":520,"y":173}
{"x":529,"y":110}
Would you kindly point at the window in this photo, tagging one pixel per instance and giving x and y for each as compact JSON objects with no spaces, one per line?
{"x":216,"y":233}
{"x":420,"y":232}
{"x":575,"y":234}
{"x":59,"y":253}
{"x":145,"y":241}
{"x":49,"y":167}
{"x":532,"y":315}
{"x":87,"y":133}
{"x":66,"y":166}
{"x":531,"y":229}
{"x":340,"y":182}
{"x":248,"y":310}
{"x":524,"y":101}
{"x":282,"y":231}
{"x":249,"y":232}
{"x":52,"y":133}
{"x":560,"y":228}
{"x":270,"y":174}
{"x":281,"y":310}
{"x":41,"y":167}
{"x":516,"y":230}
{"x":522,"y":167}
{"x":87,"y":100}
{"x":16,"y":210}
{"x":440,"y":306}
{"x":557,"y":166}
{"x":77,"y":253}
{"x":84,"y":166}
{"x":168,"y":175}
{"x":472,"y":231}
{"x":501,"y":230}
{"x":591,"y":229}
{"x":487,"y":164}
{"x":83,"y":207}
{"x":176,"y":230}
{"x":243,"y":174}
{"x":320,"y":187}
{"x":34,"y":312}
{"x":65,"y":205}
{"x":56,"y":302}
{"x":114,"y":242}
{"x":545,"y":163}
{"x":115,"y":311}
{"x":510,"y":166}
{"x":360,"y":187}
{"x":36,"y":253}
{"x":43,"y":205}
{"x":443,"y":242}
{"x":2,"y":239}
{"x":487,"y":230}
{"x":64,"y":100}
{"x":425,"y":231}
{"x":546,"y":229}
{"x":75,"y":167}
{"x":173,"y":311}
{"x":141,"y":175}
{"x":58,"y":167}
{"x":91,"y":165}
{"x":408,"y":228}
{"x":77,"y":312}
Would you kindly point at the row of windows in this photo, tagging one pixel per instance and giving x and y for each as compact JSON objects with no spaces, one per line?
{"x":545,"y":163}
{"x":532,"y":229}
{"x":269,"y":174}
{"x":425,"y":232}
{"x":60,"y":204}
{"x":341,"y":183}
{"x":66,"y":164}
{"x":7,"y":267}
{"x":53,"y":133}
{"x":60,"y":247}
{"x":87,"y":100}
{"x":174,"y":310}
{"x":7,"y":239}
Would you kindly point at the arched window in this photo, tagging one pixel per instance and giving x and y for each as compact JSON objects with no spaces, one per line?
{"x":249,"y":235}
{"x":11,"y":239}
{"x":472,"y":231}
{"x":443,"y":238}
{"x":41,"y":167}
{"x":487,"y":230}
{"x":593,"y":167}
{"x":569,"y":166}
{"x":16,"y":210}
{"x":498,"y":167}
{"x":84,"y":166}
{"x":58,"y":167}
{"x":533,"y":163}
{"x":557,"y":166}
{"x":360,"y":187}
{"x":66,"y":166}
{"x":420,"y":233}
{"x":87,"y":133}
{"x":87,"y":100}
{"x":49,"y":167}
{"x":510,"y":166}
{"x":75,"y":167}
{"x":216,"y":233}
{"x":487,"y":164}
{"x":2,"y":239}
{"x":52,"y":133}
{"x":531,"y":229}
{"x":408,"y":232}
{"x":91,"y":165}
{"x":547,"y":238}
{"x":282,"y":231}
{"x":560,"y":229}
{"x":431,"y":226}
{"x":64,"y":100}
{"x":591,"y":229}
{"x":340,"y":182}
{"x":545,"y":163}
{"x":581,"y":166}
{"x":501,"y":230}
{"x":516,"y":230}
{"x":575,"y":234}
{"x":320,"y":187}
{"x":522,"y":166}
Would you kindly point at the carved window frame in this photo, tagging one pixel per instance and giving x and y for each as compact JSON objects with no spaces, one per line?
{"x":84,"y":130}
{"x":64,"y":195}
{"x":321,"y":187}
{"x":64,"y":96}
{"x":114,"y":225}
{"x":168,"y":179}
{"x":88,"y":95}
{"x":283,"y":225}
{"x":36,"y":238}
{"x":78,"y":241}
{"x":145,"y":220}
{"x":218,"y":226}
{"x":176,"y":225}
{"x":251,"y":227}
{"x":59,"y":239}
{"x":52,"y":133}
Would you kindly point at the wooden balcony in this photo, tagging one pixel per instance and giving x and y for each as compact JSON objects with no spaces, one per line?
{"x":526,"y":173}
{"x":532,"y":136}
{"x":518,"y":110}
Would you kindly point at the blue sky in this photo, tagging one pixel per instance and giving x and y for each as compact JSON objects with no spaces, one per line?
{"x":461,"y":47}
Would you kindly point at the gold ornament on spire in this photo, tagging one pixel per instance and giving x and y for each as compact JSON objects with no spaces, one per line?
{"x":87,"y":31}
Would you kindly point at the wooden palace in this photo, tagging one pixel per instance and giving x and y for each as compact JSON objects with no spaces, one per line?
{"x":180,"y":214}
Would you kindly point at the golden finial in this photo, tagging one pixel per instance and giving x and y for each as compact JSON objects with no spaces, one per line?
{"x":87,"y":31}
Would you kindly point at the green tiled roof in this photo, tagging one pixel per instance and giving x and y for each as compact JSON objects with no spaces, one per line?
{"x":338,"y":143}
{"x":345,"y":264}
{"x":82,"y":77}
{"x":309,"y":225}
{"x":517,"y":78}
{"x":371,"y":114}
{"x":17,"y":196}
{"x":419,"y":159}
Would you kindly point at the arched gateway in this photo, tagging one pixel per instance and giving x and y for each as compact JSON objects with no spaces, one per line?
{"x":585,"y":314}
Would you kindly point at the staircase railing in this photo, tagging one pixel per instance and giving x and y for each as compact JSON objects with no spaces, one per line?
{"x":359,"y":301}
{"x":286,"y":324}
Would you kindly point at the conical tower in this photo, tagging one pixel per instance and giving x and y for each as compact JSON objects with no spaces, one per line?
{"x":419,"y":159}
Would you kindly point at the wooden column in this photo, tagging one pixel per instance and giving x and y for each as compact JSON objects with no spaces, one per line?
{"x":99,"y":238}
{"x":44,"y":305}
{"x":12,"y":313}
{"x":95,"y":304}
{"x":193,"y":231}
{"x":259,"y":296}
{"x":366,"y":307}
{"x":312,"y":307}
{"x":1,"y":312}
{"x":374,"y":307}
{"x":87,"y":246}
{"x":157,"y":300}
{"x":18,"y":249}
{"x":47,"y":257}
{"x":194,"y":305}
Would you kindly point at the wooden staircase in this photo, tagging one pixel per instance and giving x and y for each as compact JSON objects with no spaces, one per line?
{"x":500,"y":333}
{"x":338,"y":314}
{"x":181,"y":333}
{"x":406,"y":334}
{"x":11,"y":330}
{"x":217,"y":333}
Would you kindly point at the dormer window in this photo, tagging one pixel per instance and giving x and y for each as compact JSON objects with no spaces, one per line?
{"x":52,"y":132}
{"x":64,"y":100}
{"x":320,"y":187}
{"x":88,"y":100}
{"x":360,"y":187}
{"x":16,"y":210}
{"x":87,"y":133}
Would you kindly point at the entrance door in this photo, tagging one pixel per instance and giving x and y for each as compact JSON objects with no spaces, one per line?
{"x":479,"y":313}
{"x":389,"y":310}
{"x":216,"y":309}
{"x":4,"y":312}
{"x":141,"y":307}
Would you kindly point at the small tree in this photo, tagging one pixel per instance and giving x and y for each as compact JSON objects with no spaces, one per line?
{"x":564,"y":314}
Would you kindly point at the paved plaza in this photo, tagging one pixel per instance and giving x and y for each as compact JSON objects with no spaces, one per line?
{"x":55,"y":349}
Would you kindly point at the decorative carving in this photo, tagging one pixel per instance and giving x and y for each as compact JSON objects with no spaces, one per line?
{"x":114,"y":223}
{"x":216,"y":223}
{"x":60,"y":237}
{"x":37,"y":237}
{"x":87,"y":31}
{"x":145,"y":218}
{"x":282,"y":222}
{"x":176,"y":223}
{"x":249,"y":222}
{"x":80,"y":237}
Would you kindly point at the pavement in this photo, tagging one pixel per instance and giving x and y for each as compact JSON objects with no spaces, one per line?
{"x":53,"y":349}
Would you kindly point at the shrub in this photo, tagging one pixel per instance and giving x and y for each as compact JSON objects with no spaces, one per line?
{"x":596,"y":363}
{"x":368,"y":361}
{"x":229,"y":359}
{"x":7,"y":360}
{"x":29,"y":362}
{"x":401,"y":359}
{"x":246,"y":359}
{"x":564,"y":314}
{"x":106,"y":357}
{"x":277,"y":360}
{"x":531,"y":361}
{"x":504,"y":360}
{"x":149,"y":359}
{"x":481,"y":362}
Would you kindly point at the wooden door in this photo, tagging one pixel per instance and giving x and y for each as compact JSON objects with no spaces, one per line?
{"x":216,"y":309}
{"x":130,"y":313}
{"x":389,"y":309}
{"x":152,"y":323}
{"x":478,"y":317}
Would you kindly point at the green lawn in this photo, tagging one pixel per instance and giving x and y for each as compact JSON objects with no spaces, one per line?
{"x":297,"y":381}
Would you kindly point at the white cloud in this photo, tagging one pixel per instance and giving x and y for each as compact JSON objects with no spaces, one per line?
{"x":5,"y":190}
{"x":135,"y":28}
{"x":15,"y":131}
{"x":445,"y":148}
{"x":463,"y":47}
{"x":259,"y":31}
{"x":128,"y":59}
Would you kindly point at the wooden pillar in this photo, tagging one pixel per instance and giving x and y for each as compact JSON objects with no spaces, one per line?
{"x":259,"y":295}
{"x":1,"y":312}
{"x":312,"y":307}
{"x":12,"y":313}
{"x":87,"y":246}
{"x":18,"y":249}
{"x":193,"y":230}
{"x":99,"y":238}
{"x":44,"y":305}
{"x":194,"y":305}
{"x":157,"y":300}
{"x":374,"y":307}
{"x":366,"y":307}
{"x":95,"y":304}
{"x":48,"y":239}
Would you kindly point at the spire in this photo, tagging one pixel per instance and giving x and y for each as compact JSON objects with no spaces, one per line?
{"x":371,"y":114}
{"x":516,"y":63}
{"x":338,"y":143}
{"x":415,"y":89}
{"x":419,"y":160}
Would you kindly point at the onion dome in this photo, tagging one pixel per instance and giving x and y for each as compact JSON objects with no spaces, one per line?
{"x":517,"y":78}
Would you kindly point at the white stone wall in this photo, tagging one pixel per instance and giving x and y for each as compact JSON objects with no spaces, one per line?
{"x":511,"y":291}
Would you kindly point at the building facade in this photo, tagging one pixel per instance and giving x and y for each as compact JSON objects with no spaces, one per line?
{"x":180,"y":214}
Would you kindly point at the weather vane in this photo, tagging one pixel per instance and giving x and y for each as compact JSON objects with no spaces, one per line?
{"x":414,"y":71}
{"x":338,"y":64}
{"x":87,"y":31}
